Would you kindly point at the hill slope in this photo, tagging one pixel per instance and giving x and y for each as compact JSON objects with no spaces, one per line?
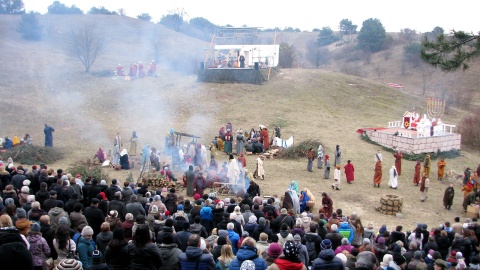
{"x":46,"y":85}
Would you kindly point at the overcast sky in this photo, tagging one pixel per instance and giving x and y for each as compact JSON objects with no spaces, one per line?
{"x":421,"y":15}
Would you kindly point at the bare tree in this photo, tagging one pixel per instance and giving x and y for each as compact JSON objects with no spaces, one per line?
{"x":86,"y":44}
{"x":158,"y":42}
{"x":379,"y":70}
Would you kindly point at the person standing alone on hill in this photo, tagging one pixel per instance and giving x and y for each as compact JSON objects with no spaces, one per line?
{"x":398,"y":161}
{"x":349,"y":172}
{"x":48,"y":130}
{"x":310,"y":157}
{"x":441,"y":164}
{"x":424,"y":183}
{"x":337,"y":156}
{"x":416,"y":176}
{"x":377,"y":177}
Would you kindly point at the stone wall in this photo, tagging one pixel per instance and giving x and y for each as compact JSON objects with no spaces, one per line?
{"x":416,"y":145}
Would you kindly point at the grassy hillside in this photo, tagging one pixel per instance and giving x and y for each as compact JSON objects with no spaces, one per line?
{"x":44,"y":84}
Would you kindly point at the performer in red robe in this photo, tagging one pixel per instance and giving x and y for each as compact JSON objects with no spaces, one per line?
{"x":398,"y":161}
{"x":349,"y":169}
{"x":119,"y":69}
{"x":416,"y":176}
{"x":327,"y":205}
{"x":264,"y":137}
{"x":242,"y":160}
{"x":133,"y":70}
{"x":152,"y":69}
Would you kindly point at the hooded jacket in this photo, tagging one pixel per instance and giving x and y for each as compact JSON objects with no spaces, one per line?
{"x":194,"y":255}
{"x":346,"y":231}
{"x":85,"y":248}
{"x":147,"y":257}
{"x":284,"y":236}
{"x":38,"y":248}
{"x":55,"y":214}
{"x":248,"y":253}
{"x":169,"y":254}
{"x":327,"y":261}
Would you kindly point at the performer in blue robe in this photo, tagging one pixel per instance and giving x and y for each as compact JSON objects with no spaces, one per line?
{"x":48,"y":130}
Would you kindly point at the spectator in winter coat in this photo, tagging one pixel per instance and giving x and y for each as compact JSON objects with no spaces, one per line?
{"x":233,"y":237}
{"x":118,"y":205}
{"x":346,"y":230}
{"x":326,"y":258}
{"x":94,"y":216}
{"x":251,"y":225}
{"x":77,"y":219}
{"x":134,"y":207}
{"x":262,"y":227}
{"x":143,"y":253}
{"x":291,"y":259}
{"x":380,"y":248}
{"x":86,"y":246}
{"x":334,"y":236}
{"x":104,"y":237}
{"x":38,"y":246}
{"x":248,"y":251}
{"x":345,"y":246}
{"x":194,"y":257}
{"x":116,"y":253}
{"x":302,"y":252}
{"x":170,"y":253}
{"x":284,"y":235}
{"x":312,"y":241}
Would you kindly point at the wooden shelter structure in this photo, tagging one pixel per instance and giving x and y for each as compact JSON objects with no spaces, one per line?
{"x":181,"y":134}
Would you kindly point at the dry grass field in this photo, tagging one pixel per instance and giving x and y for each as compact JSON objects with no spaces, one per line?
{"x":46,"y":85}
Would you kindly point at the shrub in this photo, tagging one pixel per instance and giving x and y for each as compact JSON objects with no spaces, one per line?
{"x":469,"y":127}
{"x":34,"y":154}
{"x":84,"y":168}
{"x":299,"y":150}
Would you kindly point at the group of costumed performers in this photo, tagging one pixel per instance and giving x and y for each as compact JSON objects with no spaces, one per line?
{"x":136,"y":70}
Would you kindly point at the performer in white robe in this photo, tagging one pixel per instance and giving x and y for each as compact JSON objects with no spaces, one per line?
{"x":320,"y":157}
{"x":393,"y":181}
{"x":233,"y":173}
{"x":296,"y":201}
{"x":259,"y":171}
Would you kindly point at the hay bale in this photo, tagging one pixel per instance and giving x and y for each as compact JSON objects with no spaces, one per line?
{"x":298,"y":150}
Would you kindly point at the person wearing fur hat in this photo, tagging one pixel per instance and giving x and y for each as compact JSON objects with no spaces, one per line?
{"x":326,"y":258}
{"x":38,"y":246}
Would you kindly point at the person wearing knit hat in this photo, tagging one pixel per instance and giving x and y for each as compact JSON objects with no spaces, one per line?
{"x":247,"y":265}
{"x":86,"y":246}
{"x":387,"y":258}
{"x":342,"y":257}
{"x":38,"y":246}
{"x":326,"y":258}
{"x":69,"y":264}
{"x":97,"y":261}
{"x":9,"y":201}
{"x":290,"y":258}
{"x":326,"y":244}
{"x":22,"y":223}
{"x":273,"y":252}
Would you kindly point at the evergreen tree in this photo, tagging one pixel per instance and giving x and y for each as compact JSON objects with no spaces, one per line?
{"x":372,"y":36}
{"x":326,"y":36}
{"x":12,"y":7}
{"x":451,"y":52}
{"x":30,"y":27}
